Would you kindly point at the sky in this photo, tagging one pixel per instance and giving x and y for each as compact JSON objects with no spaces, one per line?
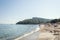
{"x":12,"y":11}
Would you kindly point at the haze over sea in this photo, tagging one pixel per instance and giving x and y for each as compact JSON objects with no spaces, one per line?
{"x":9,"y":32}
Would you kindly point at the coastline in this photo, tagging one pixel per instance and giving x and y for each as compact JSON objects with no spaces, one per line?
{"x":25,"y":35}
{"x":45,"y":32}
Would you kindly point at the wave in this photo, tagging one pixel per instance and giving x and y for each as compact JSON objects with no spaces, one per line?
{"x":37,"y":29}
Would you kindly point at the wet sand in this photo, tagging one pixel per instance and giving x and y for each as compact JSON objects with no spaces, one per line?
{"x":33,"y":36}
{"x":30,"y":36}
{"x":38,"y":36}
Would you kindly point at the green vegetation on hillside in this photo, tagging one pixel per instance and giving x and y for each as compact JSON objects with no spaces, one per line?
{"x":34,"y":20}
{"x":55,"y":21}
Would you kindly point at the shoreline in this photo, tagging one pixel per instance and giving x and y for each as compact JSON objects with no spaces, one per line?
{"x":25,"y":35}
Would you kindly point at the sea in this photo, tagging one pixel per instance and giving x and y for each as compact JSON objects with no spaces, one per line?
{"x":12,"y":31}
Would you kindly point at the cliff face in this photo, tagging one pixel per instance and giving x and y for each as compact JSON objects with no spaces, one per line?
{"x":34,"y":20}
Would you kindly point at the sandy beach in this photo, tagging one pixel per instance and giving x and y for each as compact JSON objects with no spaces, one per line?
{"x":33,"y":35}
{"x":45,"y":32}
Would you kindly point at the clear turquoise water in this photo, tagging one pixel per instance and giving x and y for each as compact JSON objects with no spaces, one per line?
{"x":8,"y":32}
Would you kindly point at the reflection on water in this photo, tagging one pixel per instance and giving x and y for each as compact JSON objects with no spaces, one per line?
{"x":12,"y":31}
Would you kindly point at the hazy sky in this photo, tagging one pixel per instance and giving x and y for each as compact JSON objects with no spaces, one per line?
{"x":12,"y":11}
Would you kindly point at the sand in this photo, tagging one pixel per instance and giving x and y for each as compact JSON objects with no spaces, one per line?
{"x":33,"y":35}
{"x":45,"y":32}
{"x":38,"y":36}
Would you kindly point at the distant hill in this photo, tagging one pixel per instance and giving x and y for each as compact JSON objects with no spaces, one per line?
{"x":55,"y":20}
{"x":34,"y":20}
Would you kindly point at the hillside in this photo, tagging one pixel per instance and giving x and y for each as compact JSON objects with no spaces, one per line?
{"x":34,"y":20}
{"x":55,"y":20}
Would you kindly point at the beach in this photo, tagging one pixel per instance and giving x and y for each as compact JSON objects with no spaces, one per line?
{"x":33,"y":35}
{"x":45,"y":32}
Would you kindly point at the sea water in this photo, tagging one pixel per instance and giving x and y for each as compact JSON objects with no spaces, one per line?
{"x":9,"y":32}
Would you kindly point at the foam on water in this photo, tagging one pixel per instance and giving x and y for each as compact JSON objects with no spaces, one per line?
{"x":9,"y":32}
{"x":37,"y":29}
